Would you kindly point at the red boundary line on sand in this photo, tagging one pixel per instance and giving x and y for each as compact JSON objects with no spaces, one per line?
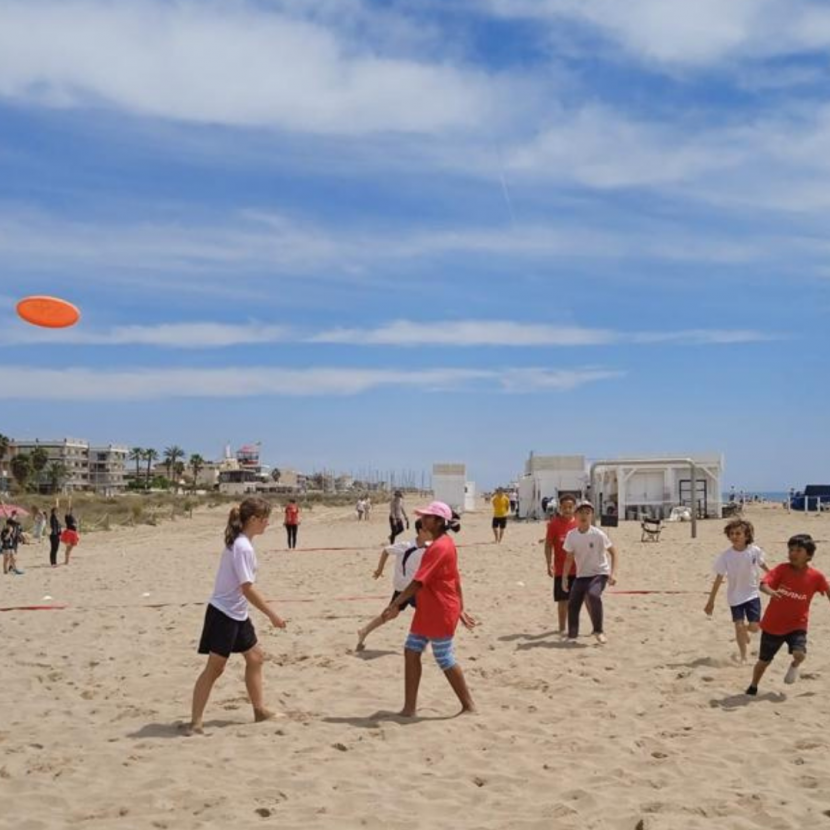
{"x":284,"y":601}
{"x":361,"y":548}
{"x":177,"y":604}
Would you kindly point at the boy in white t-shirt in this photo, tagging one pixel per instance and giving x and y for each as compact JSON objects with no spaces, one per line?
{"x":596,"y":566}
{"x":741,"y":565}
{"x":408,"y":556}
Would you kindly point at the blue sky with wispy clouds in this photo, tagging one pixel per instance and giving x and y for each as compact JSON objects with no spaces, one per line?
{"x":382,"y":234}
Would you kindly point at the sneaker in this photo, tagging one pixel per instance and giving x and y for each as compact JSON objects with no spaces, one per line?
{"x":752,"y":690}
{"x":792,"y":675}
{"x":17,"y":572}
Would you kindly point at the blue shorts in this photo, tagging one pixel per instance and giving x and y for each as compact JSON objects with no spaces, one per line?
{"x":442,"y":649}
{"x":749,"y":611}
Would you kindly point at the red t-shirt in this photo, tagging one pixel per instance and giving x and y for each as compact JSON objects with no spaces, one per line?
{"x":558,"y":528}
{"x":791,"y":611}
{"x":438,"y":603}
{"x":292,"y":514}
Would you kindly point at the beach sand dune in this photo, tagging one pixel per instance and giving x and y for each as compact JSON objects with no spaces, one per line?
{"x":650,"y":732}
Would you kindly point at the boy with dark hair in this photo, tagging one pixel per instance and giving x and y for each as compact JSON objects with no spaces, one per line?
{"x":791,"y":587}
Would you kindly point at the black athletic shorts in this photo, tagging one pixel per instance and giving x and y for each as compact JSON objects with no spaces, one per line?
{"x":771,"y":643}
{"x":410,"y":602}
{"x":224,"y":636}
{"x":558,"y":594}
{"x":499,"y":522}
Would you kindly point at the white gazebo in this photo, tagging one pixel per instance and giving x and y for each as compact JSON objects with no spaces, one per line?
{"x":634,"y":488}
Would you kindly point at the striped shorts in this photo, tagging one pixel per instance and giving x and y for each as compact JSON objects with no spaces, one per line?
{"x":443,"y":649}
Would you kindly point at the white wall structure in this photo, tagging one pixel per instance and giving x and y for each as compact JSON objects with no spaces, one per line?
{"x":449,"y":485}
{"x":470,"y":497}
{"x":545,"y":477}
{"x":638,"y":487}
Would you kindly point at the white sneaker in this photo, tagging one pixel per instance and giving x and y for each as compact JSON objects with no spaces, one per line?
{"x":792,"y":675}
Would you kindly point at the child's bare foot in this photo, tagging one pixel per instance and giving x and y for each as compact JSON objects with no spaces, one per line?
{"x":407,"y":713}
{"x":361,"y":637}
{"x":194,"y":729}
{"x":601,"y":639}
{"x":261,"y":715}
{"x":468,"y":710}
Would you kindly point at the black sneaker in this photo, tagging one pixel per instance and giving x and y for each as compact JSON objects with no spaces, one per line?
{"x":752,"y":690}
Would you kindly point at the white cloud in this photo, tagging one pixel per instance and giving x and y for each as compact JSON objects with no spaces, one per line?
{"x":515,"y":333}
{"x":458,"y":333}
{"x":693,"y":33}
{"x":233,"y":64}
{"x":85,"y":384}
{"x":165,"y":335}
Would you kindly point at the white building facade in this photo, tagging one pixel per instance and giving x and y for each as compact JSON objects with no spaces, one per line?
{"x":546,"y":477}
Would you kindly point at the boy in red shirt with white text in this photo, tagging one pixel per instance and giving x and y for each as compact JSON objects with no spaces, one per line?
{"x":560,"y":525}
{"x":791,"y":587}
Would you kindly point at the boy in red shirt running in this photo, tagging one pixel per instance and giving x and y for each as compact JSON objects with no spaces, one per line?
{"x":560,"y":525}
{"x":791,"y":587}
{"x":440,"y":605}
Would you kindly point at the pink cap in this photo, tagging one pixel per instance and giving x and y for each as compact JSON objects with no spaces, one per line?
{"x":437,"y":508}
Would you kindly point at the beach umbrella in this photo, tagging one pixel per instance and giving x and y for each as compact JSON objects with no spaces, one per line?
{"x":6,"y":511}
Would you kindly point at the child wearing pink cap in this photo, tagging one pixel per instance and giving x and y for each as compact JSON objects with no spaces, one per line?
{"x":440,"y":606}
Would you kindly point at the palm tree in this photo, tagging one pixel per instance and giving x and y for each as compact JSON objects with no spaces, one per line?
{"x":150,"y":455}
{"x":5,"y":443}
{"x":57,"y":474}
{"x":137,"y":455}
{"x":40,"y":458}
{"x":171,"y":456}
{"x":22,"y":469}
{"x":197,"y":463}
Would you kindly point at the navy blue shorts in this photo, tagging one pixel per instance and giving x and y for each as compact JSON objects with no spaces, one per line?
{"x":749,"y":611}
{"x":771,"y":643}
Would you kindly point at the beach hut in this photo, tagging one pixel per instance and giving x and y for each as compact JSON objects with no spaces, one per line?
{"x":449,"y":485}
{"x":546,"y":477}
{"x":640,"y":487}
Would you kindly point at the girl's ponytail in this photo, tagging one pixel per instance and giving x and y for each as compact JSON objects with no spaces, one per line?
{"x":234,"y":528}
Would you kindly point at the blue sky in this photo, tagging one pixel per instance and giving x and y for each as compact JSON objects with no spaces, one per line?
{"x":378,"y":235}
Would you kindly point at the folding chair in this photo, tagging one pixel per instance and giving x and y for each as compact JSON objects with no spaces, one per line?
{"x":651,"y":530}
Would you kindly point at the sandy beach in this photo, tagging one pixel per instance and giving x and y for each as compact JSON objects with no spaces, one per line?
{"x":650,"y":732}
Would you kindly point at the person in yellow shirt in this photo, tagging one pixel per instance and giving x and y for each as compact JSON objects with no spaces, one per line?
{"x":501,"y":510}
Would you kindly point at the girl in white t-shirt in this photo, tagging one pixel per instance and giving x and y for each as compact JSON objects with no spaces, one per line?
{"x":408,"y":557}
{"x":228,"y":628}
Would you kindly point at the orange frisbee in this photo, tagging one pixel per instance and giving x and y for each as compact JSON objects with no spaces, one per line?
{"x":48,"y":312}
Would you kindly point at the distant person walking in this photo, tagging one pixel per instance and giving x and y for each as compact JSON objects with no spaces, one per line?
{"x":55,"y":531}
{"x":397,"y":517}
{"x":39,"y":525}
{"x":70,"y":536}
{"x":292,"y":523}
{"x":501,"y":510}
{"x":9,"y":547}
